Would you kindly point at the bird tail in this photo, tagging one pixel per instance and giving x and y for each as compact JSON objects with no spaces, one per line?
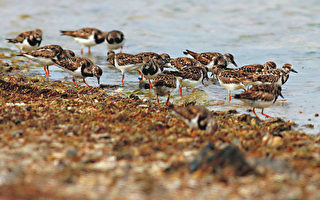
{"x":190,"y":53}
{"x":68,"y":33}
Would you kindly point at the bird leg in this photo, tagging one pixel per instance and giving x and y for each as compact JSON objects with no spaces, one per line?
{"x":121,"y":49}
{"x":254,"y":112}
{"x":89,"y":50}
{"x":122,"y":79}
{"x":192,"y":133}
{"x":180,"y":91}
{"x":229,"y":96}
{"x":141,"y":75}
{"x":158,"y":102}
{"x":81,"y":51}
{"x":48,"y":72}
{"x":86,"y":83}
{"x":150,"y":84}
{"x":45,"y":69}
{"x":74,"y":81}
{"x":266,"y":115}
{"x":167,"y":102}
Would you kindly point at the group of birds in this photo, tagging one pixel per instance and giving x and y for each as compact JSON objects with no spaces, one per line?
{"x":261,"y":82}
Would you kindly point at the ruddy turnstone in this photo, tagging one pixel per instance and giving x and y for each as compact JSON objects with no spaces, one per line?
{"x":150,"y":68}
{"x":197,"y":117}
{"x":209,"y":58}
{"x":230,"y":80}
{"x":272,"y":76}
{"x":189,"y":76}
{"x":44,"y":56}
{"x":163,"y":58}
{"x":115,"y":40}
{"x":260,"y":96}
{"x":181,"y":62}
{"x":124,"y":62}
{"x":87,"y":37}
{"x":258,"y":68}
{"x":78,"y":67}
{"x":27,"y":41}
{"x":163,"y":84}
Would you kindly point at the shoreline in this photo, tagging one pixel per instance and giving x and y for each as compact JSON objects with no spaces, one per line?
{"x":60,"y":142}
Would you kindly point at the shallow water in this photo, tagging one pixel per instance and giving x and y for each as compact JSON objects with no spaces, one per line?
{"x":253,"y":31}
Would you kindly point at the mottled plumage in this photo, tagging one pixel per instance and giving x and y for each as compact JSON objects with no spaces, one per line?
{"x":209,"y":59}
{"x":86,"y":36}
{"x":197,"y":117}
{"x":260,"y":96}
{"x":125,"y":62}
{"x":44,"y":56}
{"x":79,"y":67}
{"x":181,"y":62}
{"x":163,"y":84}
{"x":27,"y":41}
{"x":231,"y":80}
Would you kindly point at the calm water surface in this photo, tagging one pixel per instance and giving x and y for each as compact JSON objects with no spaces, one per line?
{"x":253,"y":31}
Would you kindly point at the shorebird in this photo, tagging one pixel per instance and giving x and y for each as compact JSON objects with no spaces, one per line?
{"x":45,"y":55}
{"x":115,"y":40}
{"x":86,"y":36}
{"x":27,"y":41}
{"x":197,"y":117}
{"x":124,"y":62}
{"x":78,"y":67}
{"x":260,"y":96}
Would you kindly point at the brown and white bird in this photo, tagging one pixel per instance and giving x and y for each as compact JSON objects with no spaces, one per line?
{"x":27,"y":41}
{"x":272,"y":76}
{"x":258,"y":68}
{"x":87,"y":37}
{"x":45,"y":55}
{"x":115,"y":40}
{"x":189,"y":76}
{"x":260,"y":96}
{"x":181,"y":62}
{"x":78,"y":67}
{"x":124,"y":62}
{"x":231,"y":80}
{"x":197,"y":117}
{"x":164,"y":84}
{"x":209,"y":58}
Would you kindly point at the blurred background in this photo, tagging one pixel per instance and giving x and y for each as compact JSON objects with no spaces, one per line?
{"x":253,"y":31}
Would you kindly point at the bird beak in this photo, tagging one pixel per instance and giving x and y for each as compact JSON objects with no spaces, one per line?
{"x":293,"y":71}
{"x":98,"y":78}
{"x":234,"y":63}
{"x":281,"y":95}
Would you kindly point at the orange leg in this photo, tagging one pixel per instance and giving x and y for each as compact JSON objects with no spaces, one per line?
{"x":180,"y":91}
{"x":158,"y":102}
{"x":141,"y":75}
{"x":86,"y":83}
{"x":45,"y":69}
{"x":150,"y":84}
{"x":167,"y":102}
{"x":122,"y":79}
{"x":254,"y":112}
{"x":192,"y":133}
{"x":74,"y":81}
{"x":48,"y":72}
{"x":229,"y":96}
{"x":266,"y":115}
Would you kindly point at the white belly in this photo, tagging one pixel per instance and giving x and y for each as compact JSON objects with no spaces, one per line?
{"x":190,"y":83}
{"x":232,"y":86}
{"x":86,"y":42}
{"x":129,"y":67}
{"x":257,"y":103}
{"x":41,"y":60}
{"x":25,"y":46}
{"x":76,"y":73}
{"x":210,"y":65}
